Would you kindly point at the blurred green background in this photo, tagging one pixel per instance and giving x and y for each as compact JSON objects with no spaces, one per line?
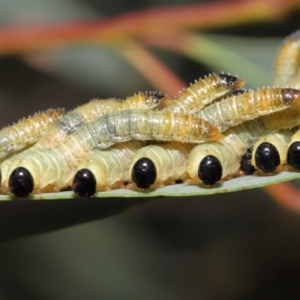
{"x":229,"y":246}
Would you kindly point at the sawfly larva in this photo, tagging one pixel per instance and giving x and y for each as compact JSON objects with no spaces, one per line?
{"x":51,"y":169}
{"x":287,"y":63}
{"x":92,"y":110}
{"x":67,"y":125}
{"x":270,"y":151}
{"x":249,"y":105}
{"x":213,"y":161}
{"x":192,"y":99}
{"x":104,"y":169}
{"x":157,"y":165}
{"x":26,"y":132}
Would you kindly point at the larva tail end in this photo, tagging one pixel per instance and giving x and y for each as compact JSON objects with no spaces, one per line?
{"x":21,"y":182}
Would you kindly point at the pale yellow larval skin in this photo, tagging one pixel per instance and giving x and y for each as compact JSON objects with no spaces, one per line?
{"x":110,"y":167}
{"x":295,"y":138}
{"x":235,"y":143}
{"x":26,"y":132}
{"x":92,"y":110}
{"x":204,"y":91}
{"x":280,"y":140}
{"x":169,"y":159}
{"x":67,"y":125}
{"x":50,"y":168}
{"x":249,"y":105}
{"x":287,"y":63}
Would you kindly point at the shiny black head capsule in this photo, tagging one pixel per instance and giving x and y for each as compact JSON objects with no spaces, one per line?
{"x":84,"y":183}
{"x":293,"y":156}
{"x":246,"y":163}
{"x":267,"y":157}
{"x":228,"y":80}
{"x":144,"y":173}
{"x":237,"y":92}
{"x":20,"y":182}
{"x":210,"y":170}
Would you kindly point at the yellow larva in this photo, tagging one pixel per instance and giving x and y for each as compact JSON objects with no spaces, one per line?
{"x":61,"y":129}
{"x":249,"y":105}
{"x":202,"y":93}
{"x":26,"y":132}
{"x":104,"y":169}
{"x":88,"y":112}
{"x":287,"y":63}
{"x":213,"y":161}
{"x":52,"y":167}
{"x":157,"y":165}
{"x":270,"y":151}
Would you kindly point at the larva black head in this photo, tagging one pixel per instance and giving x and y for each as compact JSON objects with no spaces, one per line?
{"x":20,"y":182}
{"x":290,"y":95}
{"x":210,"y":170}
{"x":293,"y":156}
{"x":144,"y":173}
{"x":84,"y":183}
{"x":246,"y":163}
{"x":237,"y":92}
{"x":267,"y":157}
{"x":228,"y":80}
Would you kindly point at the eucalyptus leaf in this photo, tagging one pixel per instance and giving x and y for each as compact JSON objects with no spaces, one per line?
{"x":177,"y":190}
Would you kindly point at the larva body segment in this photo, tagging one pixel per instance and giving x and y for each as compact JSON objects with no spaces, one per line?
{"x":52,"y":167}
{"x":287,"y":63}
{"x":167,"y":160}
{"x":104,"y":169}
{"x":59,"y":131}
{"x":270,"y":151}
{"x":203,"y":92}
{"x":88,"y":112}
{"x":26,"y":132}
{"x":249,"y":105}
{"x":228,"y":152}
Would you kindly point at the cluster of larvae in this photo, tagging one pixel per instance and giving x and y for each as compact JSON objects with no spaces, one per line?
{"x":149,"y":140}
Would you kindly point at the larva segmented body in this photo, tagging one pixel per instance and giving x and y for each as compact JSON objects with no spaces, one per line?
{"x":203,"y":92}
{"x":26,"y":132}
{"x":287,"y":63}
{"x":88,"y":112}
{"x":61,"y":129}
{"x":270,"y":151}
{"x":104,"y":169}
{"x":249,"y":105}
{"x":157,"y":165}
{"x":52,"y":166}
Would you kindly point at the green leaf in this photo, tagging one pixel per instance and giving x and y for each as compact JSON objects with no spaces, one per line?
{"x":178,"y":190}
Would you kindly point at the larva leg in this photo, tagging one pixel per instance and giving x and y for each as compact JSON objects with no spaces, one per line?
{"x":103,"y":170}
{"x":287,"y":63}
{"x":157,"y":165}
{"x":203,"y":92}
{"x":26,"y":132}
{"x":270,"y":151}
{"x":52,"y":167}
{"x":249,"y":105}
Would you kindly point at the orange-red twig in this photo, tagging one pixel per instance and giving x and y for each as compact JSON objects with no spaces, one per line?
{"x":141,"y":24}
